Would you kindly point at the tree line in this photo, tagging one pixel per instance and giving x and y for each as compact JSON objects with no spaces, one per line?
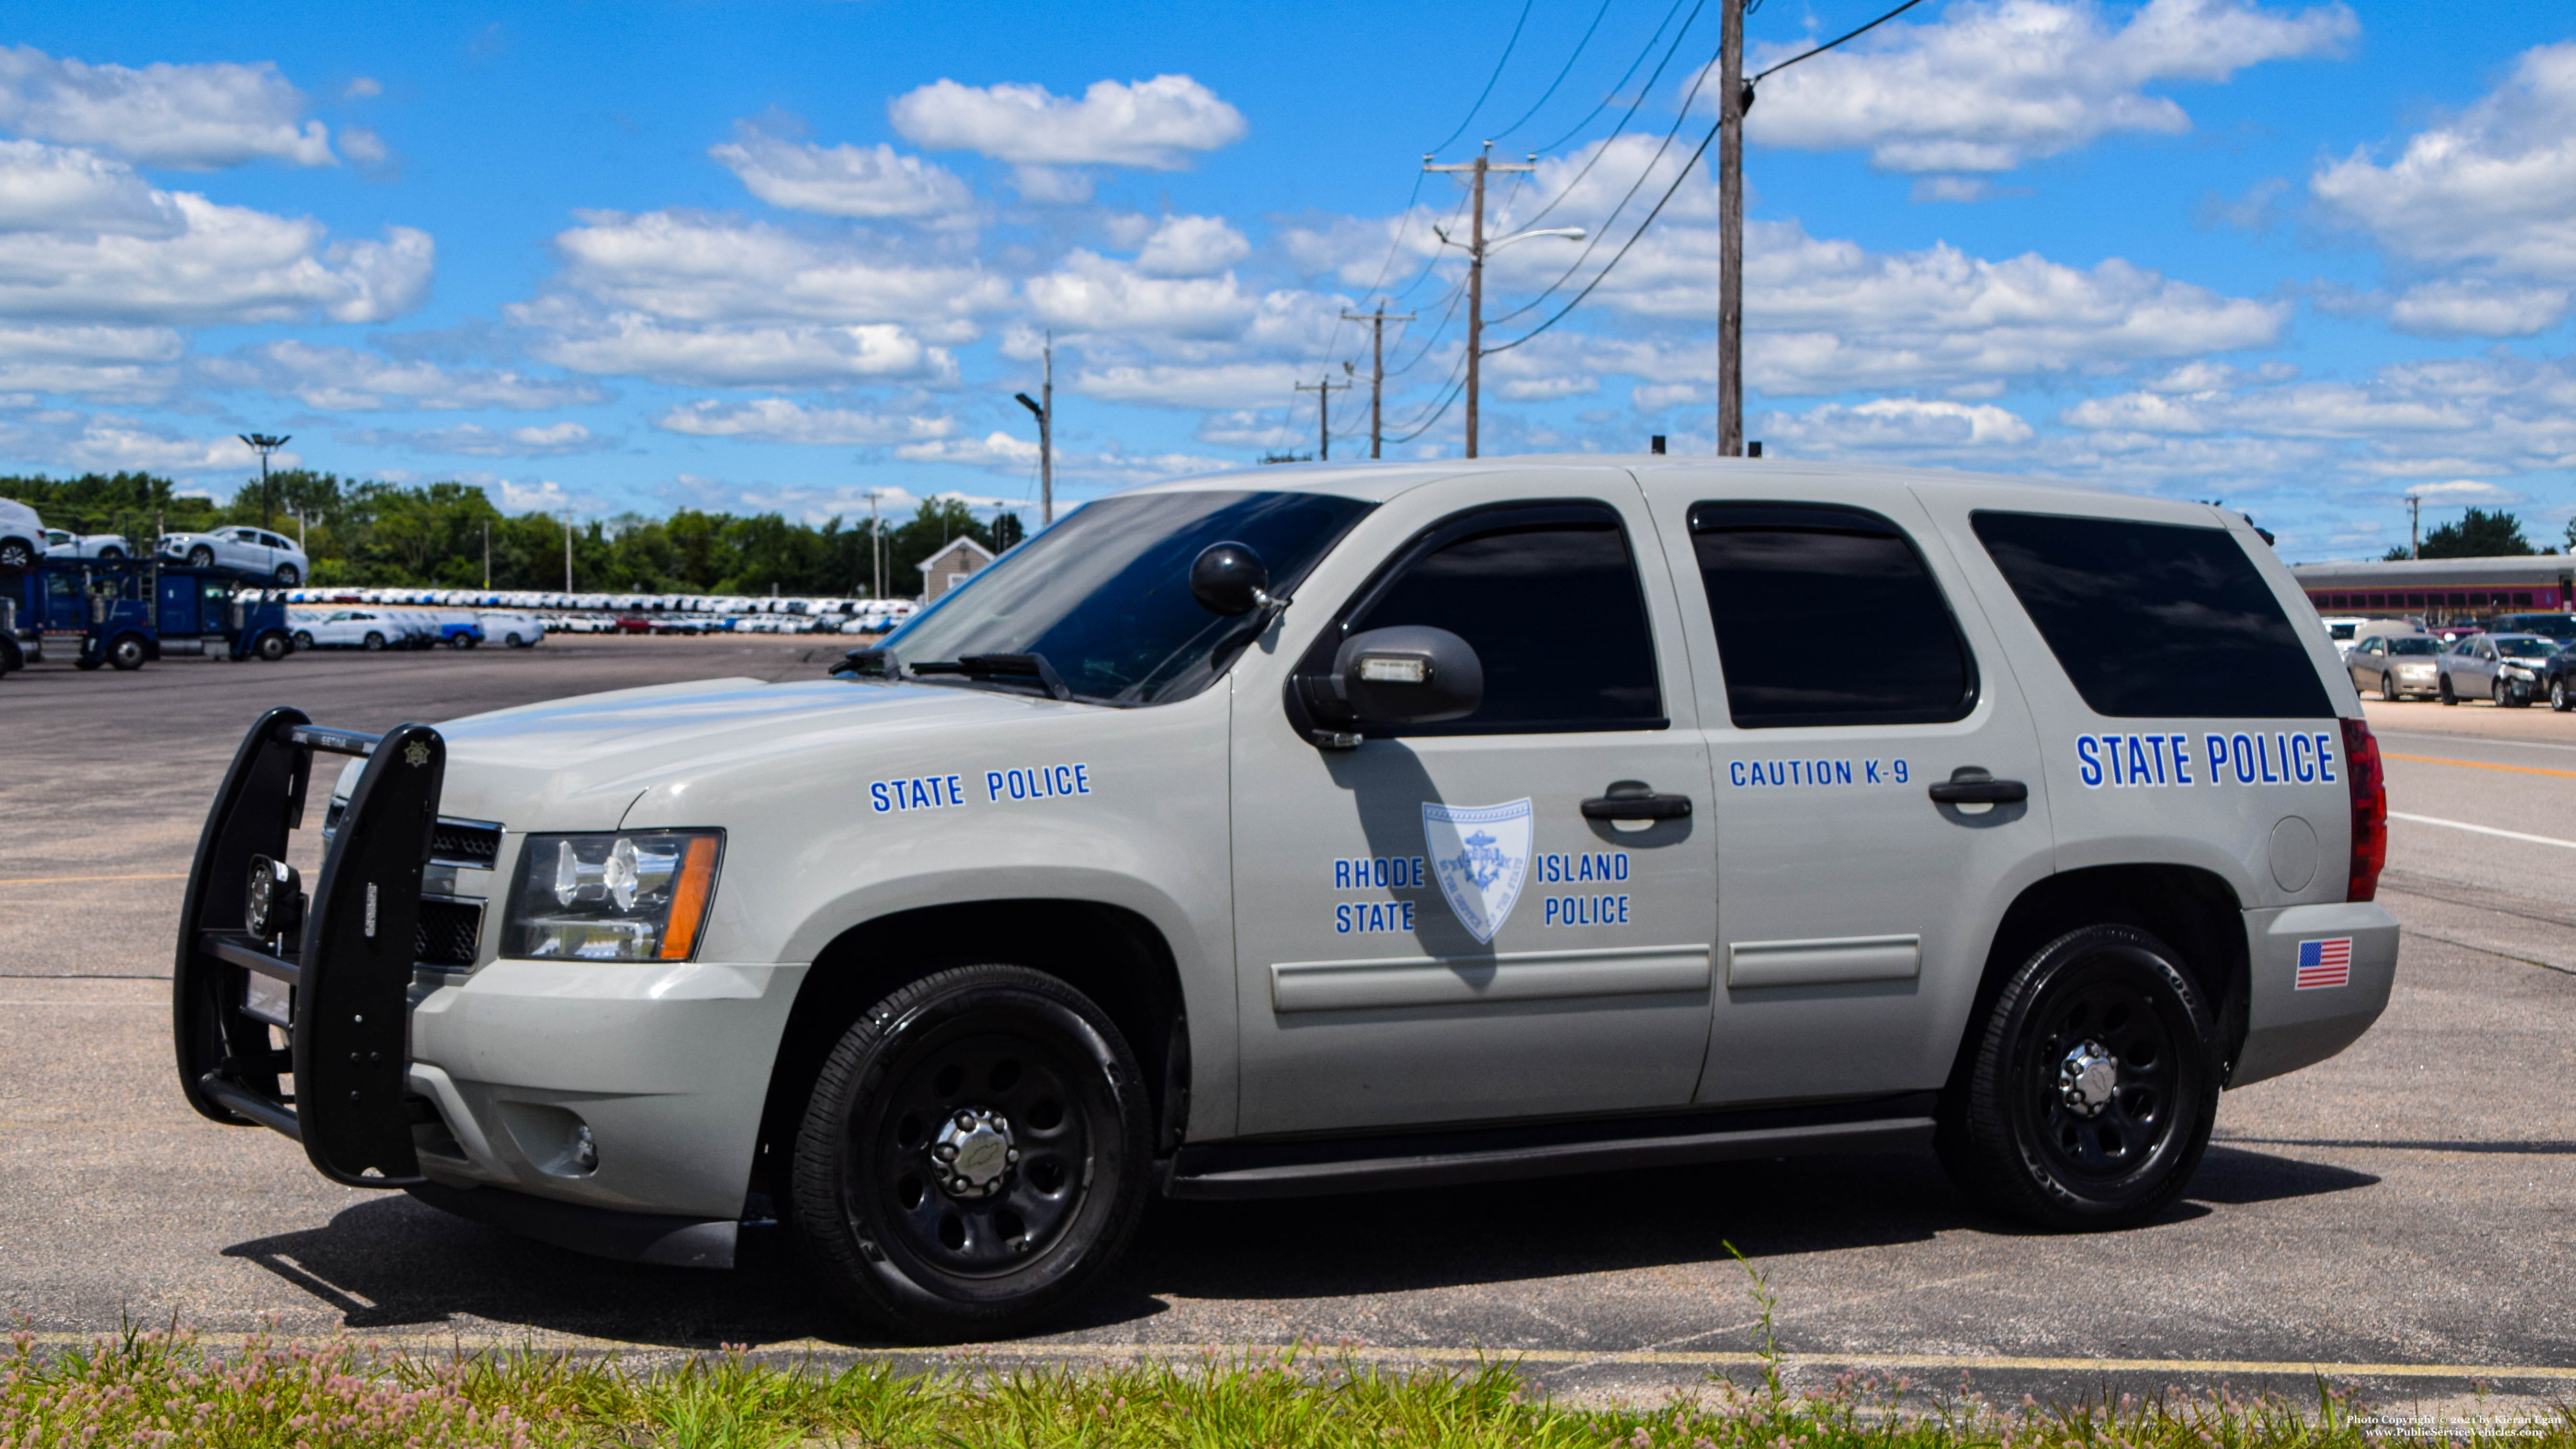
{"x":440,"y":535}
{"x":2478,"y":534}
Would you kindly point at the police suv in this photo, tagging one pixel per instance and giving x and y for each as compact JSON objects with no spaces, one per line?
{"x":1336,"y":828}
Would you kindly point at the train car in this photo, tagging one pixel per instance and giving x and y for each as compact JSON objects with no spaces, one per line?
{"x":2441,"y":591}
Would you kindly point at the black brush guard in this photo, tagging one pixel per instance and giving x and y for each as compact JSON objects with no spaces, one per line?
{"x":350,"y":971}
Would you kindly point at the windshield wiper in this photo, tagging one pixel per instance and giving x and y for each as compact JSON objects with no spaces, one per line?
{"x":1029,"y":669}
{"x":876,"y":662}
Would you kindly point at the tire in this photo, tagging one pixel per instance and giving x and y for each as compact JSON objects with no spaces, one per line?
{"x":2388,"y":688}
{"x":273,"y":646}
{"x":111,"y":552}
{"x":375,"y":641}
{"x":2444,"y":691}
{"x":288,"y":576}
{"x":16,"y":555}
{"x":2110,"y":1150}
{"x":460,"y":641}
{"x":127,"y":652}
{"x":894,"y":1245}
{"x":303,"y":638}
{"x":2558,"y":697}
{"x":201,"y":557}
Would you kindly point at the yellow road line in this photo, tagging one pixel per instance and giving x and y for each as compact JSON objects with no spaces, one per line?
{"x":1439,"y":1354}
{"x":2479,"y":765}
{"x":68,"y":879}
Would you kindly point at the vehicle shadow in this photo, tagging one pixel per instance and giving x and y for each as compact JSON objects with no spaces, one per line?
{"x":393,"y":1262}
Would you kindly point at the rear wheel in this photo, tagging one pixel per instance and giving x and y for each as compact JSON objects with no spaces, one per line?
{"x":16,"y":555}
{"x":375,"y":640}
{"x":2558,"y":699}
{"x":303,"y":639}
{"x":460,"y":641}
{"x":126,"y":652}
{"x":974,"y":1155}
{"x":288,"y":576}
{"x":2088,"y":1100}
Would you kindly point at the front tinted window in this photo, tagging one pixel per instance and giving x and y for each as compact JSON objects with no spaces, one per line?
{"x":2527,"y":648}
{"x":2420,"y":647}
{"x":1827,"y":616}
{"x":1104,"y":595}
{"x":1549,"y":599}
{"x":2155,"y":619}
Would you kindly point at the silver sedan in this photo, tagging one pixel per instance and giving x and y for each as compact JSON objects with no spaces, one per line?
{"x":2396,"y":665}
{"x":2505,"y":668}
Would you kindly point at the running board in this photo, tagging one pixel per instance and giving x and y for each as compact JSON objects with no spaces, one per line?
{"x":1298,"y":1168}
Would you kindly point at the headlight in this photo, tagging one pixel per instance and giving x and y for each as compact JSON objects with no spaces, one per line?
{"x":631,"y":896}
{"x":2517,"y":671}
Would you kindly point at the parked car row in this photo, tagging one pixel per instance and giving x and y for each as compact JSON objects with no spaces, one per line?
{"x":2508,"y":669}
{"x":378,"y":628}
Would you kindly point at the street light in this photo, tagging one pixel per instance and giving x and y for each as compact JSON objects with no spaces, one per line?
{"x":263,"y":444}
{"x":1477,"y":250}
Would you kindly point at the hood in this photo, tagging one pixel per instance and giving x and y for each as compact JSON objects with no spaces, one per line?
{"x":579,"y":763}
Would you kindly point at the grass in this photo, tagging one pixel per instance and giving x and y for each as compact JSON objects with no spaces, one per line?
{"x":158,"y":1387}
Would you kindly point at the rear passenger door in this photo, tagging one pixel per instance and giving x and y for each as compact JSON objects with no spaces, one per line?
{"x":1844,"y":673}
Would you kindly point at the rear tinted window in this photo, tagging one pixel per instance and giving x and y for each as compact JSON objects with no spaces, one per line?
{"x":1827,"y":616}
{"x":2155,"y":619}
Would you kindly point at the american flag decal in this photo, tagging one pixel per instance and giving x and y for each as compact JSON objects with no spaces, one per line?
{"x":2325,"y":963}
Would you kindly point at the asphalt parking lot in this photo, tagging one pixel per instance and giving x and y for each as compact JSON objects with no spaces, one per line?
{"x":2409,"y":1206}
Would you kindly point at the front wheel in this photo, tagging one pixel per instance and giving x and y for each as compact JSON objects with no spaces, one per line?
{"x":375,"y":641}
{"x":974,"y":1155}
{"x":272,"y":646}
{"x":2445,"y":693}
{"x":303,"y":639}
{"x":2088,"y":1100}
{"x":2387,"y":687}
{"x":16,"y":555}
{"x":2558,"y":699}
{"x":201,"y":557}
{"x":127,"y":653}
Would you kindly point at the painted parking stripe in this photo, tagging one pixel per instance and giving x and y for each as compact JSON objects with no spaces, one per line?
{"x":2484,"y":830}
{"x":2480,"y":765}
{"x":1441,"y":1354}
{"x":68,"y":879}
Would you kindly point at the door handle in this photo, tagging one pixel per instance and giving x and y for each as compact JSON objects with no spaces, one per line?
{"x":1969,"y":785}
{"x":1636,"y":800}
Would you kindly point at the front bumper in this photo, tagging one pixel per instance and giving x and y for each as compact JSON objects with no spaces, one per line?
{"x":2288,"y":1025}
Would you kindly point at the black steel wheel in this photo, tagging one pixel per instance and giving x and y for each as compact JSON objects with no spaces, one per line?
{"x":974,"y":1155}
{"x":2087,"y":1101}
{"x":127,"y":652}
{"x":201,"y":556}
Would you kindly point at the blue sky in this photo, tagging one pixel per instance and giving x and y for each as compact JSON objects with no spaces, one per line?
{"x":2305,"y":258}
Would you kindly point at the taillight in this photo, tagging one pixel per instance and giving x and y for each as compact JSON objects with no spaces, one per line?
{"x":2369,"y":786}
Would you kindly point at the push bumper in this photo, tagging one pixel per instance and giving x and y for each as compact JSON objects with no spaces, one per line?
{"x":2320,"y":976}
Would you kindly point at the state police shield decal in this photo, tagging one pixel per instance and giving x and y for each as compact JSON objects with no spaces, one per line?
{"x":1481,"y":855}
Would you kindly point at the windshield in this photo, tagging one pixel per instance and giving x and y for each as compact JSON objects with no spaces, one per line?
{"x":2526,"y":648}
{"x":2415,"y":644}
{"x":2561,"y":627}
{"x":2342,"y":631}
{"x":1104,"y":595}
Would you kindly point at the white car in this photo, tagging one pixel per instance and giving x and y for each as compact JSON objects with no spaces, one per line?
{"x":347,"y":628}
{"x":513,"y":630}
{"x":22,"y":536}
{"x":62,"y":544}
{"x":254,"y":549}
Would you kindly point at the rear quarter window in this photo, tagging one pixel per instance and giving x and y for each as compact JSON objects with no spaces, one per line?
{"x":2155,"y":619}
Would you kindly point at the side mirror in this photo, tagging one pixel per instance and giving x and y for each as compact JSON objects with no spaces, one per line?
{"x":1229,"y":578}
{"x":1411,"y":674}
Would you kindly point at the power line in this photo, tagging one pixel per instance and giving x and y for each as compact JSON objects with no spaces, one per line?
{"x":1623,"y":250}
{"x":1616,"y":131}
{"x":1570,"y":58}
{"x":1837,"y":40}
{"x":1489,"y":80}
{"x":1610,"y":94}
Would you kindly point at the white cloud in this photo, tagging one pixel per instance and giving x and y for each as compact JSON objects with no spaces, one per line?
{"x":92,"y":244}
{"x":707,"y":269}
{"x":754,"y":356}
{"x":109,"y":443}
{"x":476,"y":441}
{"x":364,"y":146}
{"x":868,"y":183}
{"x":127,"y":364}
{"x":1910,"y":424}
{"x":193,"y":117}
{"x":344,"y":379}
{"x":2494,"y":188}
{"x":1150,"y":123}
{"x":1051,"y":185}
{"x":1191,"y":385}
{"x":991,"y":450}
{"x":1092,"y":293}
{"x":1995,"y":83}
{"x":2474,"y":308}
{"x":1191,"y":246}
{"x":779,"y":420}
{"x":361,"y":87}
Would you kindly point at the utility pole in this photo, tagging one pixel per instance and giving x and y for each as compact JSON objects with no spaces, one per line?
{"x":567,"y":552}
{"x":1045,"y":411}
{"x":487,"y":552}
{"x":2414,"y":526}
{"x":1730,"y":224}
{"x":263,"y":444}
{"x":1377,"y":321}
{"x":876,"y":550}
{"x":1477,"y":171}
{"x":1323,"y":392}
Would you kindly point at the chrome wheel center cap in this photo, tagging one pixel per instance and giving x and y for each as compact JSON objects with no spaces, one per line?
{"x":2086,"y":1079}
{"x":972,"y":1152}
